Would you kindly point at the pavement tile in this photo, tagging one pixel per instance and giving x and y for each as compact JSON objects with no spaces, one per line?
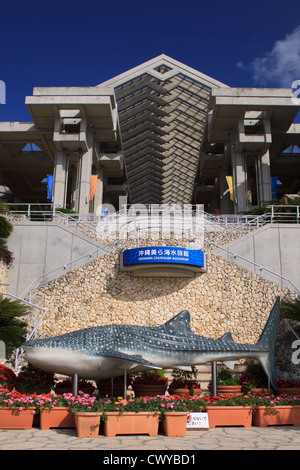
{"x":226,"y":438}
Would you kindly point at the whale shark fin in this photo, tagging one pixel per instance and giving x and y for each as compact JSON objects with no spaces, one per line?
{"x":181,"y":322}
{"x":227,"y":337}
{"x":266,"y":343}
{"x":131,"y":358}
{"x":229,"y":364}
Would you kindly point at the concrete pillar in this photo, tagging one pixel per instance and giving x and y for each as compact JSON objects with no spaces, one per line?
{"x":60,"y":178}
{"x":99,"y":191}
{"x":264,"y":178}
{"x":239,"y":181}
{"x":86,"y":162}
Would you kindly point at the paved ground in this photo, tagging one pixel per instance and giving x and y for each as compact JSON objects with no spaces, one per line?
{"x":223,"y":438}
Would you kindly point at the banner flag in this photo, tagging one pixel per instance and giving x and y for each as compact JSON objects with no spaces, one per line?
{"x":274,"y":187}
{"x":229,"y":180}
{"x":93,"y":186}
{"x":49,"y":186}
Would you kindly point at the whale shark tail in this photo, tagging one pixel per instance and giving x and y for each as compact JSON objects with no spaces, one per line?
{"x":266,"y":344}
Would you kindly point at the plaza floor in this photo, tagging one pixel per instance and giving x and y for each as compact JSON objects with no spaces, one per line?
{"x":220,"y":438}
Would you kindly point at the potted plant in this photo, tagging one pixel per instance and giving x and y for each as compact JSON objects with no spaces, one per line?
{"x":131,"y":416}
{"x":254,"y":379}
{"x":230,"y":410}
{"x":87,"y":413}
{"x":7,"y":378}
{"x":108,"y":389}
{"x":277,"y":411}
{"x":185,"y":383}
{"x":174,"y":412}
{"x":227,"y":382}
{"x":16,"y":410}
{"x":150,"y":383}
{"x":288,"y":386}
{"x":54,"y":412}
{"x":32,"y":380}
{"x":66,"y":386}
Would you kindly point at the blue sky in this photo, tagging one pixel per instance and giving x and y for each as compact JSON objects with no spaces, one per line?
{"x":70,"y":43}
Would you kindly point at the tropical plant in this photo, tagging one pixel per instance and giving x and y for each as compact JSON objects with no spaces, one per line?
{"x":290,"y":309}
{"x":226,"y":377}
{"x":31,"y":379}
{"x":6,"y":229}
{"x":12,"y":329}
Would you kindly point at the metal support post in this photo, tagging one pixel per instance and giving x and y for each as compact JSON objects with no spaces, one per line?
{"x":75,"y":384}
{"x":125,"y":379}
{"x":214,"y":377}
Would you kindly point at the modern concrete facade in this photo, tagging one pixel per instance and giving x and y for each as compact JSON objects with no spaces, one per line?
{"x":161,"y":133}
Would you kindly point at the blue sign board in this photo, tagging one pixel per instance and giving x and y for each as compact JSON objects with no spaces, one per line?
{"x":163,"y":254}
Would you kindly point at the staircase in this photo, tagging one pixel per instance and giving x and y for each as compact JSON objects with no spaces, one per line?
{"x":129,"y":228}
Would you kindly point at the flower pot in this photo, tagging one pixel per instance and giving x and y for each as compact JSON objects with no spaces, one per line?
{"x":59,"y":417}
{"x":41,"y":391}
{"x":16,"y":419}
{"x":195,"y":391}
{"x":87,"y":423}
{"x":257,"y":391}
{"x":143,"y":422}
{"x":228,"y":390}
{"x":179,"y":391}
{"x":174,"y":423}
{"x":149,"y":390}
{"x":6,"y":388}
{"x":229,"y":416}
{"x":106,"y":391}
{"x":289,"y":390}
{"x":277,"y":416}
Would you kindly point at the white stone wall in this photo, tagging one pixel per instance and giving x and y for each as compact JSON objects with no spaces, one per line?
{"x":225,"y":298}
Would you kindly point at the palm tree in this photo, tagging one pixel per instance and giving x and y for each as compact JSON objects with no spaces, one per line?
{"x":6,"y":229}
{"x":290,"y":309}
{"x":12,"y":329}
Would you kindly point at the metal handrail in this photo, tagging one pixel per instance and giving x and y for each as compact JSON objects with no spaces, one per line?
{"x":30,"y":289}
{"x":260,"y":267}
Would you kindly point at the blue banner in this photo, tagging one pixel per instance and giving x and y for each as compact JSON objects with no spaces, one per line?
{"x":163,"y":254}
{"x":49,"y":186}
{"x":274,"y":187}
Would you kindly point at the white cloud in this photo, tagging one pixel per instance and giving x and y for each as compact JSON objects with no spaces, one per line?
{"x":279,"y":67}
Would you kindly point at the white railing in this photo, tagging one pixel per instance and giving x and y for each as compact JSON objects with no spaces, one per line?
{"x":258,"y":269}
{"x":65,"y":268}
{"x":33,"y":211}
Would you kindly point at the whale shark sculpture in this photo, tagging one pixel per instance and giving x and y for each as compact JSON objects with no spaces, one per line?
{"x":102,"y":351}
